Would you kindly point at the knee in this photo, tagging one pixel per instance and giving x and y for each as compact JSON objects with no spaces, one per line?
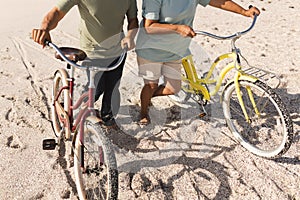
{"x":171,"y":91}
{"x":151,"y":86}
{"x":174,"y":88}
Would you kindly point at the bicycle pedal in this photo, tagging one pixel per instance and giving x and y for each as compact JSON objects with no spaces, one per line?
{"x":203,"y":114}
{"x":49,"y":144}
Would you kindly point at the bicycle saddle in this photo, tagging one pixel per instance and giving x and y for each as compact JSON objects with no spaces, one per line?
{"x":72,"y":54}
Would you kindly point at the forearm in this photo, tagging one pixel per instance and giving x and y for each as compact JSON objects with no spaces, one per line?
{"x":51,"y":20}
{"x":154,"y":27}
{"x":228,"y":5}
{"x":132,"y":27}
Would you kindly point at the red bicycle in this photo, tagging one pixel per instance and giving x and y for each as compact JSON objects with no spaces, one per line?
{"x":95,"y":165}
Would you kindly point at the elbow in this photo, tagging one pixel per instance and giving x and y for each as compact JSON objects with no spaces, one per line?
{"x":150,"y":26}
{"x":149,"y":30}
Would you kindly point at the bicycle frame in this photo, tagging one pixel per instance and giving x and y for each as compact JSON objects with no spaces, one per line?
{"x":83,"y":113}
{"x":196,"y":83}
{"x":86,"y":100}
{"x":68,"y":117}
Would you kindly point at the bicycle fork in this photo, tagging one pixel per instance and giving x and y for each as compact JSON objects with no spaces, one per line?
{"x":88,"y":112}
{"x":238,"y":77}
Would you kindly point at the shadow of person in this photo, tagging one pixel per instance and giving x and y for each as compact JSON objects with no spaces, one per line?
{"x":165,"y":149}
{"x":122,"y":140}
{"x":201,"y":169}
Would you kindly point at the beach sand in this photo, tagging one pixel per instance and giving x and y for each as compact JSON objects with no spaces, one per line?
{"x":178,"y":156}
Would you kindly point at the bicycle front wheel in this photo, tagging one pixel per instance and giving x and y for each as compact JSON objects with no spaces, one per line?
{"x":60,"y":97}
{"x":95,"y":165}
{"x":269,"y":132}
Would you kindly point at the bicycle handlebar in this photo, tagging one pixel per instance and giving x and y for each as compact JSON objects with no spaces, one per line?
{"x":120,"y":60}
{"x":238,"y":34}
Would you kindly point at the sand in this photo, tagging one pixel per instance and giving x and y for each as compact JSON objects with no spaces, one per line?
{"x":202,"y":162}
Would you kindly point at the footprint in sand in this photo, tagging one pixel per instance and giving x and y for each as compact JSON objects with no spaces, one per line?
{"x":5,"y":55}
{"x":14,"y":143}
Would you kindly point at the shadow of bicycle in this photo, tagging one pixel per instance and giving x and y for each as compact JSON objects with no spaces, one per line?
{"x":196,"y":173}
{"x":176,"y":151}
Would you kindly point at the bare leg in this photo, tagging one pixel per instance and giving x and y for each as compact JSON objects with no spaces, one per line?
{"x":151,"y":89}
{"x":146,"y":95}
{"x":171,"y":86}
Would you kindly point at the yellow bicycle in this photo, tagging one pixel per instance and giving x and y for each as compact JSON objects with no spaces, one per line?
{"x":254,"y":113}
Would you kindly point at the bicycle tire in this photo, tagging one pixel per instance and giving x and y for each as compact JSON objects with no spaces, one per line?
{"x":99,"y":178}
{"x":269,"y":135}
{"x":59,"y":81}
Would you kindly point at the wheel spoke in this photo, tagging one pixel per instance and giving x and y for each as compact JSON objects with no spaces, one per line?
{"x":267,"y":134}
{"x":99,"y":178}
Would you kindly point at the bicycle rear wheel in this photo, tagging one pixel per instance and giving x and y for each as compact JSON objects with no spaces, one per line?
{"x":95,"y":165}
{"x":60,"y":81}
{"x":268,"y":134}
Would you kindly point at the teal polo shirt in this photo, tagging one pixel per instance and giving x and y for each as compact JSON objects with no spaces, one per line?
{"x":166,"y":47}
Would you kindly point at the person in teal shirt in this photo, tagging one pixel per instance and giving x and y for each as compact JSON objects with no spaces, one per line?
{"x":164,"y":39}
{"x":102,"y":38}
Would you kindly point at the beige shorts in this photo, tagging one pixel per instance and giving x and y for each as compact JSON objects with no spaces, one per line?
{"x":150,"y":70}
